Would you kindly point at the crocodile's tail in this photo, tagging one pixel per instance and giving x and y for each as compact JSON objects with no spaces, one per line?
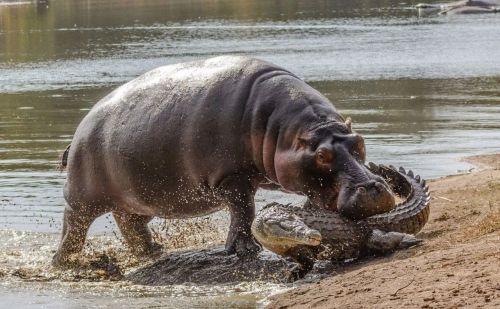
{"x":409,"y":216}
{"x":64,"y":159}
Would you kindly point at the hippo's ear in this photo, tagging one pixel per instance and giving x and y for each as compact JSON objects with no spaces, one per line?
{"x":348,"y":122}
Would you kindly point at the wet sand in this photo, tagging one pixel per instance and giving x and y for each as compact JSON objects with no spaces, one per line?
{"x":458,"y":265}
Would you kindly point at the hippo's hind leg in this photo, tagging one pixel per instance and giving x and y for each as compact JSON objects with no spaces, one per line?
{"x":135,"y":231}
{"x":239,"y":192}
{"x":75,"y":227}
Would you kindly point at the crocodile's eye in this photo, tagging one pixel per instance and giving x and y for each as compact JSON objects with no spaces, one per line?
{"x":271,"y":222}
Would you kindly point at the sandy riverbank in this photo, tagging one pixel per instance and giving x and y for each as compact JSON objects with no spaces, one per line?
{"x":458,"y":265}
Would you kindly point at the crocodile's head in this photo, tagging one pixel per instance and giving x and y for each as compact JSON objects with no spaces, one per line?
{"x":279,"y":230}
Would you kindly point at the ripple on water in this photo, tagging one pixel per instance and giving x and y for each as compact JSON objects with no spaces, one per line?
{"x":26,"y":256}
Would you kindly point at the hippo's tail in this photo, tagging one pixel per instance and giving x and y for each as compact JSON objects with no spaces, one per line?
{"x":64,"y":159}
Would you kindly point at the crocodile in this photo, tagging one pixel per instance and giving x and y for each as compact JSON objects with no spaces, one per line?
{"x":306,"y":234}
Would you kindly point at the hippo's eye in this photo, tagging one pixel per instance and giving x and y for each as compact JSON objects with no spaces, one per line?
{"x":302,"y":142}
{"x":324,"y":157}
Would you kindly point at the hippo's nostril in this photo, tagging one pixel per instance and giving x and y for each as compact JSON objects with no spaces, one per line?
{"x":361,"y":190}
{"x":380,"y":187}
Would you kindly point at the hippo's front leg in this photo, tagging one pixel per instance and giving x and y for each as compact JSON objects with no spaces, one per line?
{"x":238,"y":192}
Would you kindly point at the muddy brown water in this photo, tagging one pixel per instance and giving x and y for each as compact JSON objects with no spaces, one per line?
{"x":424,"y":91}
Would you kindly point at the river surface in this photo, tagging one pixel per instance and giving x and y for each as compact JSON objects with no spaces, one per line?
{"x":424,"y":92}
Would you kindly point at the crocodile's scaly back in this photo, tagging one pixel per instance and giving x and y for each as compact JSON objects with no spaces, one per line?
{"x":341,"y":237}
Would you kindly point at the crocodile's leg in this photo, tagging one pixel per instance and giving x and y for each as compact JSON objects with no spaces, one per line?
{"x":385,"y":242}
{"x":305,"y":257}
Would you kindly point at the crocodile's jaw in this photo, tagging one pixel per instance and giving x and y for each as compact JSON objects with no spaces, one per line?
{"x":275,"y":245}
{"x":282,"y":245}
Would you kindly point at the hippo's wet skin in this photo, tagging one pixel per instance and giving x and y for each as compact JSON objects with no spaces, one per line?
{"x":189,"y":139}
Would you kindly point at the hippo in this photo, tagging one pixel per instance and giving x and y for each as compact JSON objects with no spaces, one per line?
{"x":189,"y":139}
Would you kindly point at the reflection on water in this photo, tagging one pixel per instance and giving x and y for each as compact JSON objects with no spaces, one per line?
{"x":423,"y":91}
{"x":75,"y":44}
{"x":426,"y":125}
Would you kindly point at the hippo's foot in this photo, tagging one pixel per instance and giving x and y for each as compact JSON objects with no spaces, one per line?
{"x":75,"y":227}
{"x":244,"y":246}
{"x":137,"y":236}
{"x":59,"y":261}
{"x":385,"y":242}
{"x":151,"y":251}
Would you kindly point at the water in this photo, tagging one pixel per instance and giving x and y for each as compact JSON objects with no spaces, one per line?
{"x":424,"y":91}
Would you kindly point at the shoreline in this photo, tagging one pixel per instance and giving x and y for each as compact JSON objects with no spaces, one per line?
{"x":457,"y":264}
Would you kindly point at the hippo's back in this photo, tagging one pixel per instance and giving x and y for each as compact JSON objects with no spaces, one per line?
{"x":175,"y":126}
{"x":185,"y":87}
